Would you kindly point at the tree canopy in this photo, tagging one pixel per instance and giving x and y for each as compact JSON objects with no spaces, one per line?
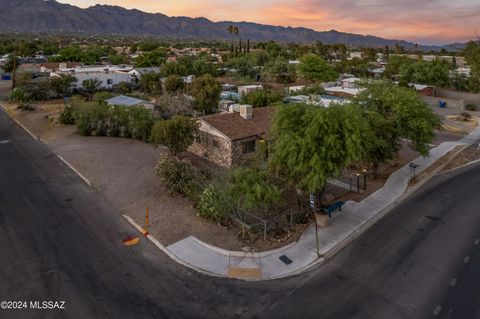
{"x":177,"y":133}
{"x":315,"y":68}
{"x":206,"y":91}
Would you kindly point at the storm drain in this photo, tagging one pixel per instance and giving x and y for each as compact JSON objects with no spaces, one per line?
{"x":285,"y":260}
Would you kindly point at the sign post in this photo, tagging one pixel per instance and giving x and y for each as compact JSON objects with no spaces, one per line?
{"x":312,"y":205}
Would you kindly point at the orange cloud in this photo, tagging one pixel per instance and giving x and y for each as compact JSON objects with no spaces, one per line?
{"x":421,"y":21}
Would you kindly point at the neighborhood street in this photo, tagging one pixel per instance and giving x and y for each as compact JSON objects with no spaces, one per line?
{"x":61,"y":241}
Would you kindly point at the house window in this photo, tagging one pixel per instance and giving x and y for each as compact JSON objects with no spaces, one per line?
{"x":248,"y":147}
{"x":109,"y":82}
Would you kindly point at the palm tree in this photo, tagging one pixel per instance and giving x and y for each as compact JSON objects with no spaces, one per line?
{"x":233,"y":31}
{"x":90,"y":86}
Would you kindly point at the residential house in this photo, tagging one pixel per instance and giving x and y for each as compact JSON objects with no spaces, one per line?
{"x":57,"y":66}
{"x":138,"y":72}
{"x":130,"y":101}
{"x":353,"y":55}
{"x":247,"y":89}
{"x":425,"y":90}
{"x":227,"y":139}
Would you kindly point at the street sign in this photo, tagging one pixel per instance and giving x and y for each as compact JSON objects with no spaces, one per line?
{"x":312,"y":201}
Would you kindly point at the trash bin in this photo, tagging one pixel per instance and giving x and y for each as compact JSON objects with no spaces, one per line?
{"x":442,"y":104}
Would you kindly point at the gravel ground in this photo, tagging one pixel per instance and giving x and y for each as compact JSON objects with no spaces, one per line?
{"x":470,"y":154}
{"x":123,"y":171}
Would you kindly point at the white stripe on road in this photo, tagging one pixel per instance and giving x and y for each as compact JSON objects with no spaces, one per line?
{"x":437,"y":310}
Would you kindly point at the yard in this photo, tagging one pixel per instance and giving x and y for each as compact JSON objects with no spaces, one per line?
{"x":122,"y":170}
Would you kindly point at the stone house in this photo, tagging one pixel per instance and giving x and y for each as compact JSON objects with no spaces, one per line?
{"x":227,"y":139}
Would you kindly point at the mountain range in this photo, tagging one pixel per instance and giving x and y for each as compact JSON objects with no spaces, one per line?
{"x":53,"y":17}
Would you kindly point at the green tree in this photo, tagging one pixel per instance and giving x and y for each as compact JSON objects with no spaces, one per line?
{"x":280,"y":71}
{"x":472,"y":56}
{"x":206,"y":91}
{"x":62,"y":86}
{"x":311,"y":144}
{"x":174,"y":84}
{"x":314,"y":68}
{"x":177,"y":133}
{"x":395,"y":113}
{"x":395,"y":62}
{"x":150,"y":83}
{"x":424,"y":72}
{"x":91,"y":86}
{"x":253,"y":189}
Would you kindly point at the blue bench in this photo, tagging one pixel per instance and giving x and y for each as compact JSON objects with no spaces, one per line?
{"x":330,"y":209}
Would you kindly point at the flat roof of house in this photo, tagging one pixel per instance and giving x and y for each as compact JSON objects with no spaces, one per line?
{"x":126,"y":100}
{"x":236,"y":127}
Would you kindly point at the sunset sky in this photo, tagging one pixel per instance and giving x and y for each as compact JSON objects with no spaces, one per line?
{"x":422,"y":21}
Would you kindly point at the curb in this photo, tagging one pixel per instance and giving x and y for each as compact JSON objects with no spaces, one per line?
{"x":165,"y":250}
{"x":172,"y":256}
{"x":76,"y":172}
{"x":384,"y":212}
{"x":18,"y":123}
{"x":460,"y":167}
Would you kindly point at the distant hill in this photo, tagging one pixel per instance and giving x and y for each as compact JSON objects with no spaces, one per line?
{"x":51,"y":16}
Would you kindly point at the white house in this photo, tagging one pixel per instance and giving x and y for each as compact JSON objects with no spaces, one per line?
{"x":246,"y":89}
{"x":130,"y":101}
{"x":108,"y":79}
{"x":357,"y":55}
{"x":138,"y":72}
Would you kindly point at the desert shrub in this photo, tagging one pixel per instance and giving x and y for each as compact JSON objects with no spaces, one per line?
{"x":471,"y":107}
{"x":213,"y":204}
{"x":466,"y":116}
{"x":67,"y":116}
{"x":177,"y":175}
{"x":140,"y":123}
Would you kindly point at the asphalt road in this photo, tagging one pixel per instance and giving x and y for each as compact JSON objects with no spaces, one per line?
{"x":59,"y":240}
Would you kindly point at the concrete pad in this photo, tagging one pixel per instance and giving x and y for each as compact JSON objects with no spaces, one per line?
{"x":199,"y":256}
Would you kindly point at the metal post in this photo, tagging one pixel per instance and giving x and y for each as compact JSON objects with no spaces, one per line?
{"x":350,"y":184}
{"x":358,"y":183}
{"x":146,"y":222}
{"x":316,"y":233}
{"x":365,"y":179}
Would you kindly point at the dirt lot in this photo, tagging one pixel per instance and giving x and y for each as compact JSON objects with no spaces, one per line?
{"x":123,"y":171}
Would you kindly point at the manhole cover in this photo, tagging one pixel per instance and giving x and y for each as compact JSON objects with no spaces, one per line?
{"x":131,"y":240}
{"x":285,"y":260}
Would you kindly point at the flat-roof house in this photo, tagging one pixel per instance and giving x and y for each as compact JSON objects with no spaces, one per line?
{"x":138,"y":72}
{"x":57,"y":66}
{"x":227,"y":139}
{"x":130,"y":101}
{"x":247,"y":89}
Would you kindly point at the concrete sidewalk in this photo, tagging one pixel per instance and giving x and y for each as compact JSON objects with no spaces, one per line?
{"x":297,"y":257}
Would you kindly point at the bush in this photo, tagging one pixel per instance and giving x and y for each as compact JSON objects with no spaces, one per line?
{"x":213,"y":204}
{"x":261,"y":98}
{"x":471,"y":107}
{"x":67,"y":116}
{"x":177,"y":175}
{"x":177,"y":133}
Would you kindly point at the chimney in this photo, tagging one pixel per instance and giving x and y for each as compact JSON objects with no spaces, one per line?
{"x":246,"y":111}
